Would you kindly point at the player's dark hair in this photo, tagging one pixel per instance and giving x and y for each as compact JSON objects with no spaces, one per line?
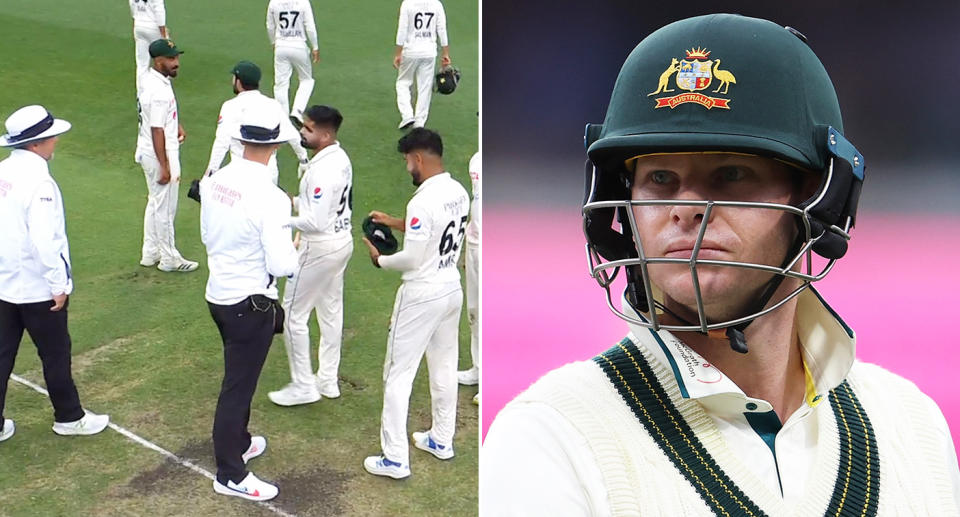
{"x":421,"y":139}
{"x":249,"y":86}
{"x":324,"y":116}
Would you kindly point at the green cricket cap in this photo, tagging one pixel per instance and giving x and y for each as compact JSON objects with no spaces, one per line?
{"x":165,"y":48}
{"x":246,"y":72}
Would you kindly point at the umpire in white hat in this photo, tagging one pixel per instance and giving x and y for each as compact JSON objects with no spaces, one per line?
{"x":35,"y":275}
{"x":245,"y":225}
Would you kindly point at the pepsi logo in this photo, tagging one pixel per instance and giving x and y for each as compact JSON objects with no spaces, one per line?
{"x":317,"y":193}
{"x":415,"y":224}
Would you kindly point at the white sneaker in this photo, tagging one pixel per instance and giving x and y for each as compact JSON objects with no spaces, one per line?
{"x":469,"y":377}
{"x":251,"y":488}
{"x":424,"y":441}
{"x":149,"y":261}
{"x":329,"y":389}
{"x":405,"y":124}
{"x":294,"y":395}
{"x":476,"y":399}
{"x":258,"y":445}
{"x":91,"y":423}
{"x":7,"y":430}
{"x":183,"y":266}
{"x":381,"y":466}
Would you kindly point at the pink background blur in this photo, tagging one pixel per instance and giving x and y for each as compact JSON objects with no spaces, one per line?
{"x":897,"y":288}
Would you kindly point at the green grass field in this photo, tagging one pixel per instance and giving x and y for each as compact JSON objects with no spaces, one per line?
{"x":145,"y":348}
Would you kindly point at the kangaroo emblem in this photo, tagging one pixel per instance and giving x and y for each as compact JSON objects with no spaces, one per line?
{"x":665,"y":78}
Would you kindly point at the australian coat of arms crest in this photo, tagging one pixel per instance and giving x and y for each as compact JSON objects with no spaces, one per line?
{"x":694,"y":73}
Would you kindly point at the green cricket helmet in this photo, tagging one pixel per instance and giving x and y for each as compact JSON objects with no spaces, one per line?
{"x":721,"y":83}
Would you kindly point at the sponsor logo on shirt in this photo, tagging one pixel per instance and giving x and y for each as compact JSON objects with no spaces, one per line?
{"x":4,"y":188}
{"x":317,"y":193}
{"x":415,"y":224}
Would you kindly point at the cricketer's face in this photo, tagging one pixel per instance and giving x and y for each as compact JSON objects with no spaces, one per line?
{"x":414,"y":160}
{"x":750,"y":235}
{"x":313,"y":136}
{"x":168,"y":66}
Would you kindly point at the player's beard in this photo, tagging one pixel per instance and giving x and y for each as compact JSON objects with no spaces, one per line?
{"x":415,"y":174}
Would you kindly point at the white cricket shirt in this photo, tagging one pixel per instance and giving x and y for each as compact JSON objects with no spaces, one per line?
{"x":473,"y":227}
{"x":324,"y":202}
{"x":290,"y":23}
{"x":245,"y":225}
{"x":228,"y":124}
{"x":157,"y":107}
{"x":148,"y":12}
{"x":422,"y":23}
{"x":35,"y":255}
{"x":436,"y":221}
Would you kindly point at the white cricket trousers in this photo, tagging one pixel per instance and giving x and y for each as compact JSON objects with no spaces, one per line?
{"x":317,"y":285}
{"x":420,"y":69}
{"x":143,"y":36}
{"x":285,"y":60}
{"x":473,"y":302}
{"x":158,"y":218}
{"x":426,"y":318}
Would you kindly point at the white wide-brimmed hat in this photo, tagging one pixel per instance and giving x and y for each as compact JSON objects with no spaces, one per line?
{"x":31,"y":123}
{"x":263,"y":122}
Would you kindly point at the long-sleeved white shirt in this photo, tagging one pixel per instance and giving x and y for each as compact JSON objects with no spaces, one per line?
{"x":148,"y":12}
{"x":436,"y":220}
{"x":228,"y":123}
{"x":422,"y":23}
{"x":473,"y":227}
{"x":157,"y":108}
{"x":245,"y":225}
{"x":324,"y":202}
{"x":290,"y":23}
{"x":35,"y":255}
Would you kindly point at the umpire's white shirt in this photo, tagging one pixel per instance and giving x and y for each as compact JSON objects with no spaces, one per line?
{"x":422,"y":23}
{"x":34,"y":256}
{"x":290,"y":23}
{"x":323,"y":204}
{"x":436,"y":220}
{"x":158,"y":108}
{"x":245,"y":225}
{"x":148,"y":12}
{"x":228,"y":124}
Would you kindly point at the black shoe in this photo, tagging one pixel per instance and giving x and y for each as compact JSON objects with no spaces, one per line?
{"x":296,"y":122}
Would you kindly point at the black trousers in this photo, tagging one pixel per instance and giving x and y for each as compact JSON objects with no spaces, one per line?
{"x":247,"y":334}
{"x":48,"y":330}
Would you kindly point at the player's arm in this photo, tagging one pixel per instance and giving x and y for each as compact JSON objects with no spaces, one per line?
{"x":42,"y":222}
{"x":315,"y":202}
{"x":160,"y":15}
{"x":395,"y":223}
{"x":442,"y":36}
{"x":278,"y":250}
{"x":221,"y":143}
{"x":310,"y":27}
{"x":159,"y":108}
{"x":272,"y":23}
{"x":417,"y":233}
{"x":402,"y":26}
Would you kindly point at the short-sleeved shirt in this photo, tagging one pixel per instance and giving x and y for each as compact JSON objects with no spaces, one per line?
{"x":157,"y":107}
{"x":422,"y":23}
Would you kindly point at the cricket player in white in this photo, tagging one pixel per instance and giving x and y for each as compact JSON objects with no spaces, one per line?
{"x":289,"y":26}
{"x":149,"y":25}
{"x":471,"y":376}
{"x":426,"y":312}
{"x":422,"y":23}
{"x":158,"y":152}
{"x":246,"y":84}
{"x":323,"y":220}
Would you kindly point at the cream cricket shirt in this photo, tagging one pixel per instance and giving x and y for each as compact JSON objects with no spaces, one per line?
{"x":228,"y":124}
{"x":245,"y":225}
{"x":473,"y":228}
{"x":35,"y":255}
{"x":563,"y":469}
{"x":148,"y":12}
{"x":157,"y":108}
{"x":290,"y":23}
{"x":436,"y":221}
{"x":323,"y":204}
{"x":422,"y":23}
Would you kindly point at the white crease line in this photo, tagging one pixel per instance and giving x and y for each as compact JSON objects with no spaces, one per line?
{"x":150,"y":445}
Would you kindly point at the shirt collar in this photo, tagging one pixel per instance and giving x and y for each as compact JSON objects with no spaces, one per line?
{"x":31,"y":157}
{"x":826,"y":342}
{"x":165,"y":79}
{"x":326,"y":151}
{"x":430,"y":180}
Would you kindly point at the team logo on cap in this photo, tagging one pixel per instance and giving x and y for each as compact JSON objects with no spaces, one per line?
{"x":694,"y":73}
{"x":414,"y":224}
